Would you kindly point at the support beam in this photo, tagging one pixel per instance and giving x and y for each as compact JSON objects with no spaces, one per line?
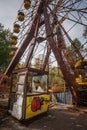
{"x":32,"y":45}
{"x":58,"y":56}
{"x":46,"y":58}
{"x":62,"y":45}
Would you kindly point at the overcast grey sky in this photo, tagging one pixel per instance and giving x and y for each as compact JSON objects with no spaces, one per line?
{"x":8,"y":12}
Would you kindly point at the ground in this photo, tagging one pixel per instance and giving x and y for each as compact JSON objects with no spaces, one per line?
{"x":59,"y":117}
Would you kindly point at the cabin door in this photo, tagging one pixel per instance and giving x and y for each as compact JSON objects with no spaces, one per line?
{"x":17,"y":97}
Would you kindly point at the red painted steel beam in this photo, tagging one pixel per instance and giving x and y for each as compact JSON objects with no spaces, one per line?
{"x":32,"y":45}
{"x":72,"y":43}
{"x":62,"y":45}
{"x":46,"y":58}
{"x":36,"y":71}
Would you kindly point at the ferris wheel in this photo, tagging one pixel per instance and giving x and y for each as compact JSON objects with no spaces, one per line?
{"x":62,"y":16}
{"x":43,"y":31}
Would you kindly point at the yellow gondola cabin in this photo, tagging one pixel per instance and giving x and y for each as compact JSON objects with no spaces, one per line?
{"x":16,"y":28}
{"x":81,"y":80}
{"x":21,"y":16}
{"x":14,"y":40}
{"x":12,"y":53}
{"x":27,"y":99}
{"x":27,"y":4}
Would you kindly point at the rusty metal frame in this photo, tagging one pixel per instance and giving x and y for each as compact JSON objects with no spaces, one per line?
{"x":58,"y":56}
{"x":46,"y":60}
{"x":26,"y":42}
